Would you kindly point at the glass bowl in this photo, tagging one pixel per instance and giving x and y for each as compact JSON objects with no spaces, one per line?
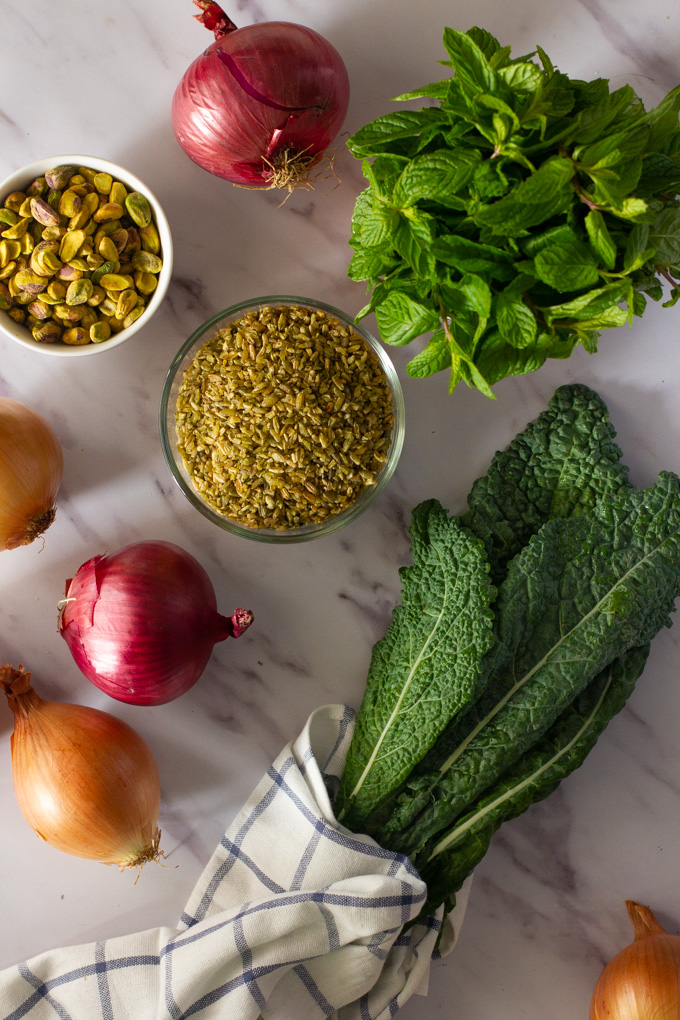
{"x":183,"y":360}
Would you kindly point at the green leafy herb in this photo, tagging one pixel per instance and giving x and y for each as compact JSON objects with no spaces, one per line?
{"x":521,"y":215}
{"x":586,"y":569}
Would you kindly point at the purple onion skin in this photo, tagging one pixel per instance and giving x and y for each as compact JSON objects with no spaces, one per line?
{"x":141,"y":624}
{"x":256,"y":91}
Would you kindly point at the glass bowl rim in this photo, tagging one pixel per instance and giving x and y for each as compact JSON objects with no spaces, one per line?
{"x":308,"y":531}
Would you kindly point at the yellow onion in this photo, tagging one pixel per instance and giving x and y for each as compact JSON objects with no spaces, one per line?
{"x":85,"y":781}
{"x":642,"y":982}
{"x":31,"y":467}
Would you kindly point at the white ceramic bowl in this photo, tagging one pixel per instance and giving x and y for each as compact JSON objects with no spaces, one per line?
{"x":19,"y":180}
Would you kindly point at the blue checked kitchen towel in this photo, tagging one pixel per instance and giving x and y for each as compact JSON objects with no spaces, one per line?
{"x":294,"y":918}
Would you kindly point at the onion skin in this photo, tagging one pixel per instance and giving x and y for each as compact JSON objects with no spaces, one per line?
{"x":141,"y":623}
{"x":85,"y":781}
{"x":257,"y":93}
{"x":31,"y":469}
{"x":642,"y":982}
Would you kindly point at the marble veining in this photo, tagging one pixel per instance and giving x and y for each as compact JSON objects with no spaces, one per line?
{"x":621,"y":32}
{"x":546,"y":908}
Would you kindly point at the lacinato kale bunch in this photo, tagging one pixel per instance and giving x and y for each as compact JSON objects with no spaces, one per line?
{"x":522,"y":629}
{"x":520,"y":215}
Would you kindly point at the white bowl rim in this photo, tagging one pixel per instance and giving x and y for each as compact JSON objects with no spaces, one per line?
{"x":26,"y":173}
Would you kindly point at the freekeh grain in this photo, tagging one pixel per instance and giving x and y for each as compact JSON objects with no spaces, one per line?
{"x":284,"y":418}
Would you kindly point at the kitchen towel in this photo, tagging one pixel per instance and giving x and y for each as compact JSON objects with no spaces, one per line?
{"x":293,"y":918}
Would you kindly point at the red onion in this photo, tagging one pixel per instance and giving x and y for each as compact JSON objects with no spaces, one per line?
{"x":141,"y":623}
{"x":262,"y":104}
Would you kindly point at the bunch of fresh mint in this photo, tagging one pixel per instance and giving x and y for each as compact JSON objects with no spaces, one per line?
{"x":521,"y":215}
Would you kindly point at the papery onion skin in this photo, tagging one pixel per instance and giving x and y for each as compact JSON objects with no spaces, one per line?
{"x":141,"y":623}
{"x":31,"y":470}
{"x":258,"y":93}
{"x":642,"y":982}
{"x":85,"y":781}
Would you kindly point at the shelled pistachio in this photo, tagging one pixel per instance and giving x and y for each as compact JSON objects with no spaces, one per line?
{"x":79,"y":256}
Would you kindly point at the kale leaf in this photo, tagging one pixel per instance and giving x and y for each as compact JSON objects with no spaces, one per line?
{"x":558,"y":467}
{"x":427,"y":666}
{"x":587,"y":571}
{"x":580,"y":594}
{"x":533,"y":777}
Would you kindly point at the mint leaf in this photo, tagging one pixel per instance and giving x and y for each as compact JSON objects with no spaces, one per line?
{"x":516,"y":322}
{"x":473,"y":257}
{"x":639,"y":303}
{"x":401,"y":319}
{"x":507,"y":122}
{"x":487,"y":43}
{"x":586,"y":306}
{"x":428,"y":662}
{"x":542,"y":195}
{"x":412,"y":238}
{"x":435,"y":90}
{"x":601,"y":240}
{"x":377,"y":226}
{"x":362,"y":206}
{"x":381,"y":173}
{"x":594,"y":120}
{"x":659,"y":173}
{"x":664,"y":236}
{"x":499,"y":59}
{"x":436,"y":357}
{"x":475,"y":294}
{"x":560,"y":234}
{"x":370,"y":265}
{"x":474,"y":378}
{"x":663,"y":122}
{"x":546,"y":61}
{"x":497,"y":358}
{"x":436,"y":177}
{"x":469,"y":62}
{"x":381,"y":134}
{"x":570,"y":266}
{"x":459,"y":110}
{"x":637,"y":243}
{"x":614,"y":183}
{"x":631,"y":209}
{"x":522,"y":78}
{"x":615,"y":149}
{"x":490,"y":181}
{"x":610,"y":317}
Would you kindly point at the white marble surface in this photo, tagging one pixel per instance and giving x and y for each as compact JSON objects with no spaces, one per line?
{"x":546,"y":908}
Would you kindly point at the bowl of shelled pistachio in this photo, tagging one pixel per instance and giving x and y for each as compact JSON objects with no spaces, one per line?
{"x":281,"y":419}
{"x":85,"y":255}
